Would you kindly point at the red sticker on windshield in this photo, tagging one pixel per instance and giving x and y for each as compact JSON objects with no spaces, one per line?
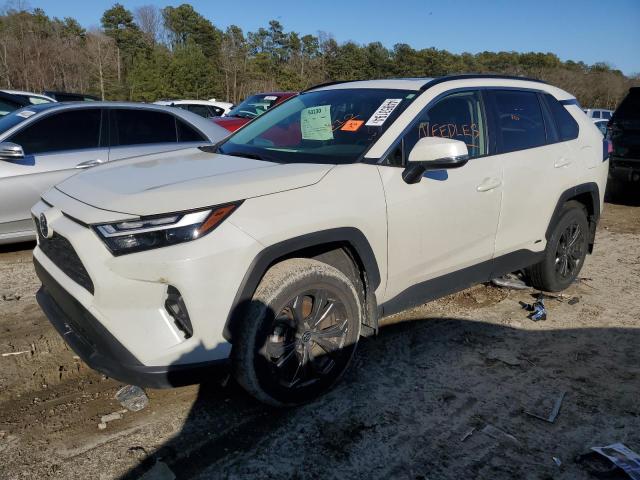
{"x":352,"y":125}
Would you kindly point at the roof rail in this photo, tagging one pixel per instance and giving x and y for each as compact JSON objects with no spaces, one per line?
{"x":326,"y":84}
{"x":465,"y":76}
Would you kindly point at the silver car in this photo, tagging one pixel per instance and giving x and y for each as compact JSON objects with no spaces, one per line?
{"x":41,"y":145}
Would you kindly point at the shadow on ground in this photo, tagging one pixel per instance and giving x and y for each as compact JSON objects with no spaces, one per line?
{"x":17,"y":247}
{"x":412,"y":395}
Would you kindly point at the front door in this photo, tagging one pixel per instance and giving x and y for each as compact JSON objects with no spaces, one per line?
{"x":447,"y":222}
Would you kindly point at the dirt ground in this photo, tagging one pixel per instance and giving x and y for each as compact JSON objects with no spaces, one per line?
{"x":413,"y":406}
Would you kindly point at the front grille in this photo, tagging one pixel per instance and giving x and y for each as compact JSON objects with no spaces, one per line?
{"x":62,"y":253}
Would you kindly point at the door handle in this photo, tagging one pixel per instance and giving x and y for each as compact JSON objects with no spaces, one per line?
{"x":90,"y":163}
{"x":562,"y":162}
{"x":489,"y":184}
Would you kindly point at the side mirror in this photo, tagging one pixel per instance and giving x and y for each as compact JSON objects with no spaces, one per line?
{"x":434,"y":153}
{"x":11,"y":151}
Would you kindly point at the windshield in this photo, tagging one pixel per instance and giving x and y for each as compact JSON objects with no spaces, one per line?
{"x":18,"y":116}
{"x":253,"y":106}
{"x":326,"y":126}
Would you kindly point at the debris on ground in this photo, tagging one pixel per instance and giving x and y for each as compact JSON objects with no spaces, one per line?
{"x":467,"y":434}
{"x":160,"y":471}
{"x":501,"y":435}
{"x":9,"y":354}
{"x":573,"y":301}
{"x":505,"y":356}
{"x":132,"y":398}
{"x":622,"y":457}
{"x":537,"y":309}
{"x":510,"y":280}
{"x":557,"y":461}
{"x":10,"y":297}
{"x":551,"y":418}
{"x":110,"y":418}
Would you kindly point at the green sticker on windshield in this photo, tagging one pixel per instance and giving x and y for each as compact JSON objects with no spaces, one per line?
{"x":315,"y":123}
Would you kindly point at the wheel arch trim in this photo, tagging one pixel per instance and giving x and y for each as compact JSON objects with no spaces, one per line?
{"x":269,"y":255}
{"x":591,"y":189}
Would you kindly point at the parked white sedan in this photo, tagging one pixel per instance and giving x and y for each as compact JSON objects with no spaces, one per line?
{"x":205,"y":108}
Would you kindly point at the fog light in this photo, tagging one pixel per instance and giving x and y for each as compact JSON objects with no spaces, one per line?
{"x":178,"y":310}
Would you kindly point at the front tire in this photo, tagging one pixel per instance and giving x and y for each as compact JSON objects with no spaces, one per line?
{"x":299,"y":334}
{"x":566,"y":251}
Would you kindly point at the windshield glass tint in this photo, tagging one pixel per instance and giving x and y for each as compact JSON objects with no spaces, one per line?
{"x":253,"y":106}
{"x":326,"y":126}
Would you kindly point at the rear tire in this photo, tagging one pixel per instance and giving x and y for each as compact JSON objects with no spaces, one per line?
{"x":299,"y":334}
{"x":566,"y":250}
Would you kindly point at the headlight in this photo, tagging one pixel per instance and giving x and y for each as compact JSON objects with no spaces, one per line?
{"x":161,"y":231}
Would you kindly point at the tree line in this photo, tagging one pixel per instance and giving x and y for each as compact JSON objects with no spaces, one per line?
{"x":174,"y":52}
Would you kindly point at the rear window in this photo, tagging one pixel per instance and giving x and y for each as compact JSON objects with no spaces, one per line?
{"x":566,"y":126}
{"x":629,"y":109}
{"x":520,"y":121}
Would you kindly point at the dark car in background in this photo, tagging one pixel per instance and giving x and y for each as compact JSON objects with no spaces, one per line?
{"x":624,"y":132}
{"x":70,"y":97}
{"x":250,"y":108}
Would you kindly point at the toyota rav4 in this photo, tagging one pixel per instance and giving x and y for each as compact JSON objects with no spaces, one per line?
{"x":275,"y":250}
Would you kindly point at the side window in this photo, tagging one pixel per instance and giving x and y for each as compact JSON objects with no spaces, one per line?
{"x":187,"y":133}
{"x":595,"y":114}
{"x":519,"y":120}
{"x":201,"y":110}
{"x":458,"y":116}
{"x":566,"y":125}
{"x":139,"y":127}
{"x":72,"y":130}
{"x":606,"y":115}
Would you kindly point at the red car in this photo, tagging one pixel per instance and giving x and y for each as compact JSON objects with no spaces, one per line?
{"x":250,"y":108}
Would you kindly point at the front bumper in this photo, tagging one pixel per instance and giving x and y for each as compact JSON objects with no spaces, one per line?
{"x":102,"y":352}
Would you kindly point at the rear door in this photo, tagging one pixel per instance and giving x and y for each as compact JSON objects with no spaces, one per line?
{"x":137,"y":132}
{"x":55,"y":147}
{"x":537,"y":167}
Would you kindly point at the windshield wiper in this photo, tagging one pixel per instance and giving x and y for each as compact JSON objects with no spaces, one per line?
{"x":253,"y":156}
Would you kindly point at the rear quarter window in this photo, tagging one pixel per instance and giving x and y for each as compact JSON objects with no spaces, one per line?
{"x":566,"y":126}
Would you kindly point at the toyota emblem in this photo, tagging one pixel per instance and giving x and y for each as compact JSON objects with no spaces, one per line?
{"x":44,"y":227}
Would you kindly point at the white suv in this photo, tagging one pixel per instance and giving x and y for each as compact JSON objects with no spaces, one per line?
{"x":277,"y":248}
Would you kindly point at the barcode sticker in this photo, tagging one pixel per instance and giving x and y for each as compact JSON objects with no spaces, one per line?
{"x":382,"y":113}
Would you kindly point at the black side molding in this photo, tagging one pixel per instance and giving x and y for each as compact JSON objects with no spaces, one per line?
{"x":345,"y":235}
{"x":456,"y":281}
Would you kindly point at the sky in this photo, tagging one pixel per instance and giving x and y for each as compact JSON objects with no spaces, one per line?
{"x":587,"y":30}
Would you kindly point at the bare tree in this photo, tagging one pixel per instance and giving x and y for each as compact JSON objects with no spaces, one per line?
{"x":149,"y":18}
{"x":102,"y":56}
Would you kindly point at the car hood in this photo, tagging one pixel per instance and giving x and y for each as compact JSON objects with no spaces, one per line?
{"x":184,"y":180}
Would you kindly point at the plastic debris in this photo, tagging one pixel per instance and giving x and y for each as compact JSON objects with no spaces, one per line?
{"x":467,"y":434}
{"x":9,"y":354}
{"x":112,"y":416}
{"x":160,"y":471}
{"x":498,"y":434}
{"x":510,"y":280}
{"x":537,"y":309}
{"x":102,"y":426}
{"x":132,"y":398}
{"x":622,"y":457}
{"x":554,"y":412}
{"x":557,"y":461}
